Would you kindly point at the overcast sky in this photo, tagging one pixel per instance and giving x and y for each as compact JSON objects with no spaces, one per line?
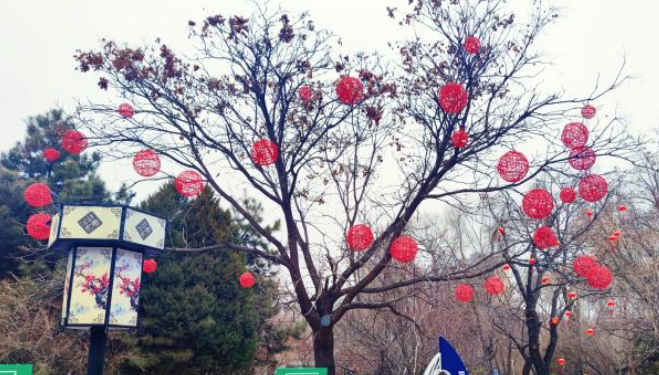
{"x":38,"y":39}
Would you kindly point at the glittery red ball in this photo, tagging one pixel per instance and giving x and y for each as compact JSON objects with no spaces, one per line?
{"x":126,"y":110}
{"x":189,"y":184}
{"x":38,"y":195}
{"x":146,"y":163}
{"x":494,"y":285}
{"x":575,"y":135}
{"x":74,"y":142}
{"x":305,"y":93}
{"x":453,"y":98}
{"x":51,"y":155}
{"x":350,"y":90}
{"x":583,"y":265}
{"x":459,"y":138}
{"x":359,"y":237}
{"x":537,"y":203}
{"x":149,"y":266}
{"x":600,"y":277}
{"x":264,"y":152}
{"x":464,"y":293}
{"x":472,"y":45}
{"x":403,"y":249}
{"x":247,"y":280}
{"x":38,"y":226}
{"x":513,"y":166}
{"x":568,"y":195}
{"x":544,"y":238}
{"x":593,"y":188}
{"x":582,"y":159}
{"x":588,"y":111}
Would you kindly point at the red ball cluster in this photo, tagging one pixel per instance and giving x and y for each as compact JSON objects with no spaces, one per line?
{"x":453,"y":98}
{"x":149,"y":266}
{"x":126,"y":110}
{"x":583,"y":265}
{"x":472,"y":45}
{"x":593,"y":187}
{"x":582,"y":158}
{"x":189,"y":184}
{"x":247,"y":280}
{"x":359,"y":237}
{"x":264,"y":152}
{"x":494,"y":285}
{"x":38,"y":195}
{"x":537,"y":203}
{"x":588,"y":111}
{"x":51,"y":155}
{"x":403,"y":249}
{"x":146,"y":163}
{"x":464,"y":293}
{"x":74,"y":142}
{"x":38,"y":226}
{"x":460,"y":138}
{"x":513,"y":166}
{"x":350,"y":90}
{"x":600,"y":277}
{"x":568,"y":195}
{"x":305,"y":93}
{"x":575,"y":135}
{"x":545,"y":238}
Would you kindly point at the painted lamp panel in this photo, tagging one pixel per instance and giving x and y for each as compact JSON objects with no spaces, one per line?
{"x":67,"y":285}
{"x":144,"y":229}
{"x":126,"y":288}
{"x":91,"y":222}
{"x":90,"y":288}
{"x":54,"y":226}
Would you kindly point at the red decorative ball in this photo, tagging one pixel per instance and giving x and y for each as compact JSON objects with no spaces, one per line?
{"x":593,"y":188}
{"x":590,"y":332}
{"x":575,"y":135}
{"x":359,"y":237}
{"x":610,"y":303}
{"x":568,"y":314}
{"x":189,"y":184}
{"x":582,"y":159}
{"x":555,"y":320}
{"x":537,"y":203}
{"x":506,"y":267}
{"x":464,"y":293}
{"x":568,"y":195}
{"x":38,"y":195}
{"x":74,"y":142}
{"x":51,"y":155}
{"x":350,"y":90}
{"x":459,"y":138}
{"x":560,"y":361}
{"x":532,"y":261}
{"x":247,"y":280}
{"x":572,"y":295}
{"x":305,"y":93}
{"x":264,"y":152}
{"x":146,"y":163}
{"x":149,"y":266}
{"x":600,"y":278}
{"x":622,"y":208}
{"x":501,"y":230}
{"x":513,"y":166}
{"x":126,"y":110}
{"x":583,"y":265}
{"x":472,"y":45}
{"x":544,"y":238}
{"x":403,"y":249}
{"x":546,"y":280}
{"x":38,"y":226}
{"x":453,"y":98}
{"x":494,"y":285}
{"x":589,"y":213}
{"x":588,"y":111}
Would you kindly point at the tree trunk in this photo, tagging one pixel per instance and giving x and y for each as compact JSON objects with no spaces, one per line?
{"x":323,"y":349}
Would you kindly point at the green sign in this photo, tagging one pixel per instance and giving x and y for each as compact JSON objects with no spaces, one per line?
{"x":299,"y":371}
{"x":15,"y":369}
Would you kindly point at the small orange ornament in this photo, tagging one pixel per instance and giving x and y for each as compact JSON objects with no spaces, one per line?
{"x":555,"y":320}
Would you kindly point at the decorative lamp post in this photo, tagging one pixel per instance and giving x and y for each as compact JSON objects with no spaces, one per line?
{"x":106,"y":245}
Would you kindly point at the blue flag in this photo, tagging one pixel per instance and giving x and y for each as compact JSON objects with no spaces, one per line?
{"x":451,"y":361}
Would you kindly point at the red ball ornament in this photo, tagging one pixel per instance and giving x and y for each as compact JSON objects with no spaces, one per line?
{"x":264,"y":152}
{"x":555,"y":320}
{"x":305,"y":93}
{"x":622,"y":208}
{"x":545,"y":280}
{"x":149,"y":266}
{"x":617,"y":233}
{"x":590,"y":332}
{"x":610,"y":303}
{"x":572,"y":295}
{"x":494,"y":285}
{"x":472,"y":45}
{"x":146,"y":163}
{"x":38,"y":195}
{"x":600,"y":278}
{"x":544,"y":238}
{"x":582,"y":159}
{"x":189,"y":184}
{"x":568,"y":314}
{"x":74,"y":142}
{"x":38,"y":226}
{"x":613,"y":238}
{"x":453,"y":98}
{"x":502,"y":231}
{"x":403,"y":249}
{"x":583,"y":265}
{"x":532,"y":261}
{"x":568,"y":195}
{"x":459,"y":138}
{"x":513,"y":166}
{"x":506,"y":267}
{"x":350,"y":90}
{"x":464,"y":293}
{"x":537,"y":203}
{"x":560,"y":361}
{"x":247,"y":280}
{"x":593,"y":188}
{"x":359,"y":237}
{"x":575,"y":135}
{"x":589,"y":213}
{"x":126,"y":110}
{"x":588,"y":111}
{"x":51,"y":155}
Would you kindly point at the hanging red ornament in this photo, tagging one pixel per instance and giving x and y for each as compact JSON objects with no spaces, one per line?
{"x":247,"y":280}
{"x":350,"y":90}
{"x":459,"y":138}
{"x":513,"y":166}
{"x":38,"y":195}
{"x":532,"y":261}
{"x":590,"y":332}
{"x":146,"y":163}
{"x":544,"y":238}
{"x":572,"y":295}
{"x":472,"y":45}
{"x":51,"y":155}
{"x":359,"y":237}
{"x":494,"y":285}
{"x":545,"y":280}
{"x":582,"y":158}
{"x":506,"y":267}
{"x":593,"y":188}
{"x":588,"y":111}
{"x":464,"y":293}
{"x":610,"y":303}
{"x":622,"y":208}
{"x":583,"y":265}
{"x":600,"y":278}
{"x":264,"y":152}
{"x":560,"y":361}
{"x":555,"y":320}
{"x":537,"y":203}
{"x":403,"y":249}
{"x":305,"y":93}
{"x":589,"y":213}
{"x":568,"y":314}
{"x":189,"y":184}
{"x":617,"y":233}
{"x":149,"y":266}
{"x":613,"y":238}
{"x":126,"y":110}
{"x":38,"y":226}
{"x":502,"y":231}
{"x":568,"y":195}
{"x":74,"y":142}
{"x":575,"y":135}
{"x":453,"y":98}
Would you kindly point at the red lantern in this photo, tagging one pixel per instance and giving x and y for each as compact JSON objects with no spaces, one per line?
{"x":582,"y":159}
{"x":264,"y":152}
{"x":51,"y":155}
{"x":575,"y":135}
{"x":403,"y":249}
{"x":247,"y":280}
{"x":589,"y":213}
{"x":513,"y":166}
{"x":622,"y":208}
{"x":464,"y":293}
{"x":472,"y":45}
{"x":560,"y":361}
{"x":583,"y":265}
{"x":189,"y":184}
{"x":537,"y":203}
{"x":38,"y":226}
{"x":590,"y":332}
{"x":506,"y":267}
{"x":453,"y":98}
{"x":588,"y":111}
{"x":38,"y":195}
{"x":568,"y":195}
{"x":494,"y":285}
{"x":600,"y":278}
{"x":502,"y":231}
{"x":74,"y":142}
{"x":459,"y":138}
{"x":149,"y":266}
{"x":544,"y":238}
{"x":610,"y":303}
{"x":568,"y":314}
{"x":146,"y":163}
{"x":593,"y":188}
{"x":126,"y":110}
{"x":617,"y":233}
{"x":359,"y":237}
{"x":350,"y":90}
{"x":545,"y":280}
{"x":613,"y":238}
{"x":555,"y":320}
{"x":572,"y":295}
{"x":305,"y":93}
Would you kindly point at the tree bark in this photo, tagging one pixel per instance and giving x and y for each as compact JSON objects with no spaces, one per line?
{"x":323,"y":349}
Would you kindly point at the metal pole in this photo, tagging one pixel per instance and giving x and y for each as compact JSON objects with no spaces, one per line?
{"x":96,"y":351}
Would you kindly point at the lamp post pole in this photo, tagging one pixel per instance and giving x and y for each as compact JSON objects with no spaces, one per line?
{"x":96,"y":351}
